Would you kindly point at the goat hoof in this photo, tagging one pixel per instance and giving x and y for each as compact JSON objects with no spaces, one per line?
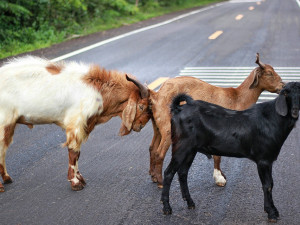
{"x":77,"y":187}
{"x":160,"y":186}
{"x":81,"y":180}
{"x":167,"y":211}
{"x":191,"y":204}
{"x":221,"y":184}
{"x":1,"y":189}
{"x":154,"y":179}
{"x":219,"y":177}
{"x":272,"y":220}
{"x":7,"y":180}
{"x":274,"y":217}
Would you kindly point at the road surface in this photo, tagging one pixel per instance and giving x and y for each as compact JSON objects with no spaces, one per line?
{"x":119,"y":189}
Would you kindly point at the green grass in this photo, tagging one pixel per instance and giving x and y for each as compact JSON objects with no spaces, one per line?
{"x":49,"y":36}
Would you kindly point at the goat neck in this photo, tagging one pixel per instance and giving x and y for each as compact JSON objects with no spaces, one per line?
{"x":246,"y":96}
{"x":104,"y":82}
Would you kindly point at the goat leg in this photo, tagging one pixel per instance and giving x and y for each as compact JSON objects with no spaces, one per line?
{"x":182,"y":175}
{"x":5,"y":177}
{"x":265,"y":174}
{"x":1,"y":187}
{"x":168,"y":177}
{"x":8,"y":132}
{"x":153,"y":149}
{"x":160,"y":156}
{"x":219,"y":176}
{"x":76,"y":179}
{"x":182,"y":157}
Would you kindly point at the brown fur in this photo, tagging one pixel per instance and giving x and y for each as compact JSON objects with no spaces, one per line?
{"x":91,"y":123}
{"x":55,"y":68}
{"x":8,"y":133}
{"x":239,"y":98}
{"x":5,"y":177}
{"x":116,"y":92}
{"x":107,"y":82}
{"x":2,"y":170}
{"x":1,"y":187}
{"x":73,"y":158}
{"x":22,"y":120}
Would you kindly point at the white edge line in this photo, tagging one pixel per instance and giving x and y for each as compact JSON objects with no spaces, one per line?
{"x":298,"y":1}
{"x":131,"y":33}
{"x":243,"y":1}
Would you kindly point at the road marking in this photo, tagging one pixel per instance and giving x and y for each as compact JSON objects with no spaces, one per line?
{"x":239,"y":17}
{"x":215,"y":35}
{"x":157,"y":82}
{"x":258,"y":3}
{"x":132,"y":33}
{"x":234,"y":76}
{"x":251,"y":8}
{"x":242,"y":1}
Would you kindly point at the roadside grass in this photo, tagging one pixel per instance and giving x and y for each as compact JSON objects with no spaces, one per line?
{"x":49,"y":35}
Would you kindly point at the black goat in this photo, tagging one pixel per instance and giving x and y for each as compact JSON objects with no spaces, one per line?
{"x":256,"y":133}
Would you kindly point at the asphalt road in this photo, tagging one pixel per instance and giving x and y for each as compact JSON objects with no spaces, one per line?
{"x":119,"y":189}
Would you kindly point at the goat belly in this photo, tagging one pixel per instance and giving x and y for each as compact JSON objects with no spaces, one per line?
{"x":35,"y":119}
{"x":209,"y":150}
{"x":206,"y":151}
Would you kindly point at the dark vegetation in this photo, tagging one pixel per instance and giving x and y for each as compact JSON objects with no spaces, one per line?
{"x":29,"y":25}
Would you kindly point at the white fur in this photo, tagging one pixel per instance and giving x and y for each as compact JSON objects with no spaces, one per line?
{"x":74,"y":180}
{"x":219,"y":179}
{"x":28,"y":89}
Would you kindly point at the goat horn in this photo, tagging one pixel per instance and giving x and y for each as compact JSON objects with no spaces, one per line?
{"x":262,"y":65}
{"x":143,"y":90}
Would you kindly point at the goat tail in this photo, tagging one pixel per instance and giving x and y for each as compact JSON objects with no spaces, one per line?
{"x":176,"y":107}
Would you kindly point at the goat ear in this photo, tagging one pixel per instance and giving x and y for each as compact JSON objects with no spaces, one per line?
{"x":128,"y":114}
{"x":255,"y":81}
{"x":281,"y":105}
{"x":123,"y":130}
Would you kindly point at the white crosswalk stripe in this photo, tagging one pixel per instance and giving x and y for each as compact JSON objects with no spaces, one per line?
{"x":234,"y":76}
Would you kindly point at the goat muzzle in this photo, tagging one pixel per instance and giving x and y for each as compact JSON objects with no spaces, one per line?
{"x":295,"y":113}
{"x":137,"y":127}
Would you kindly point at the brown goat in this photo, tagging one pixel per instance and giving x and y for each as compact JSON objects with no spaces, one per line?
{"x":74,"y":96}
{"x":261,"y":78}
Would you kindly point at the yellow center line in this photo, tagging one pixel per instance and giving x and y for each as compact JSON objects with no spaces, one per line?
{"x":251,"y":8}
{"x":239,"y":17}
{"x":157,"y":82}
{"x":215,"y":35}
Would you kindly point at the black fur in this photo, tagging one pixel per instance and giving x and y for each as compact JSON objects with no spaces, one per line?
{"x":256,"y":133}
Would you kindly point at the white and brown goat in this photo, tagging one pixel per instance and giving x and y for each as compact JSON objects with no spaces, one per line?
{"x":261,"y":78}
{"x":74,"y":96}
